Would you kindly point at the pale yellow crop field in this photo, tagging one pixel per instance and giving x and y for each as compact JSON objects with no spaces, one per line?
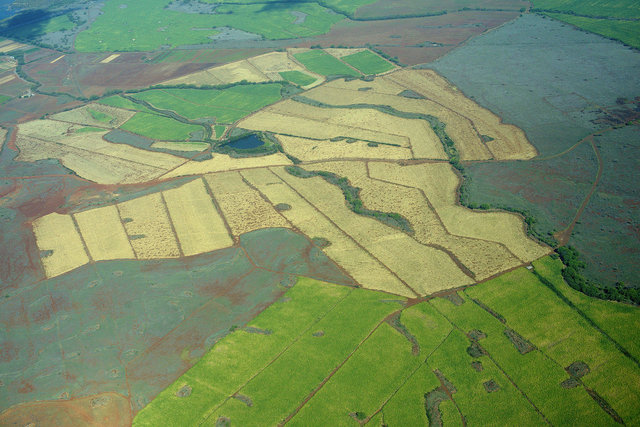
{"x":93,"y":166}
{"x":110,"y":58}
{"x":271,"y":64}
{"x":57,"y":233}
{"x":343,"y":249}
{"x":424,"y":269}
{"x":230,"y":73}
{"x":459,"y":128}
{"x":243,"y":207}
{"x":224,"y":162}
{"x":9,"y":45}
{"x":104,"y":234}
{"x":3,"y":136}
{"x":199,"y":78}
{"x":482,"y":258}
{"x":57,"y":59}
{"x":312,"y":150}
{"x":7,"y":79}
{"x":82,"y":115}
{"x":339,"y":52}
{"x":148,"y":227}
{"x":199,"y":226}
{"x":509,"y":142}
{"x":439,"y":183}
{"x":180,"y":146}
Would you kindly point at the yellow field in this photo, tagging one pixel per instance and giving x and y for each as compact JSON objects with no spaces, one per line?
{"x":324,"y":149}
{"x":7,"y":79}
{"x":483,"y":258}
{"x":57,"y":59}
{"x":89,"y":155}
{"x":271,"y":64}
{"x":439,"y":182}
{"x":180,"y":146}
{"x":199,"y":226}
{"x":296,"y":119}
{"x":223,"y":162}
{"x":243,"y":207}
{"x":383,"y":92}
{"x":149,"y":228}
{"x":109,"y":58}
{"x":3,"y":136}
{"x":340,"y":52}
{"x":343,"y":249}
{"x":509,"y":142}
{"x":57,"y":233}
{"x":8,"y":46}
{"x":104,"y":234}
{"x":424,"y":269}
{"x":229,"y":73}
{"x":82,"y":115}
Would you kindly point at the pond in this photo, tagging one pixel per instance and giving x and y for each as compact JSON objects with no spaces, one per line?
{"x":248,"y":142}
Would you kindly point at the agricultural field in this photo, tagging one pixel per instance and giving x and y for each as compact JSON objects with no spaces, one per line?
{"x":460,"y":348}
{"x":339,"y":212}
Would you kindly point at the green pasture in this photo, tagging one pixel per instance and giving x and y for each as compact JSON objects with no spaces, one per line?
{"x":297,"y":77}
{"x":89,"y":129}
{"x":321,"y":62}
{"x":120,"y":102}
{"x":368,"y":62}
{"x":100,"y":116}
{"x":593,"y":8}
{"x":226,"y":105}
{"x":146,"y":25}
{"x":159,"y":127}
{"x":627,"y":32}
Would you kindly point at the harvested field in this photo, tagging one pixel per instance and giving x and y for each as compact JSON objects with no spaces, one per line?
{"x":382,"y":91}
{"x":344,"y":250}
{"x":439,"y":183}
{"x":180,"y":146}
{"x":104,"y":234}
{"x":198,"y":225}
{"x":149,"y":228}
{"x":272,"y":64}
{"x":509,"y":142}
{"x":61,"y":248}
{"x":225,"y":74}
{"x":424,"y":269}
{"x":243,"y":207}
{"x":483,"y":258}
{"x":7,"y":79}
{"x":324,"y":149}
{"x":95,"y":115}
{"x":8,"y":46}
{"x":109,"y":58}
{"x":224,"y":162}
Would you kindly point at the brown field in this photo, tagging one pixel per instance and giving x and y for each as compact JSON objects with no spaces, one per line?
{"x":243,"y":207}
{"x":439,"y":183}
{"x":83,"y":116}
{"x":324,"y":149}
{"x":223,"y":162}
{"x":58,"y":237}
{"x":149,"y":227}
{"x":509,"y":142}
{"x":7,"y":79}
{"x":343,"y":249}
{"x":104,"y":234}
{"x":482,"y":258}
{"x":424,"y":269}
{"x":3,"y":136}
{"x":198,"y":225}
{"x":383,"y":91}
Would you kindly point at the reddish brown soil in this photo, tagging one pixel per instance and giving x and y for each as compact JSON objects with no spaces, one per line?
{"x":106,"y":409}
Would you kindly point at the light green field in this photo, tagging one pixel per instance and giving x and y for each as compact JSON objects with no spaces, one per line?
{"x":225,"y":105}
{"x":100,"y":116}
{"x":145,"y":25}
{"x":339,"y":6}
{"x":297,"y":77}
{"x":120,"y":102}
{"x":4,"y":98}
{"x":335,"y":354}
{"x":368,"y":62}
{"x":159,"y":127}
{"x":219,"y":130}
{"x":611,"y":8}
{"x":88,"y":129}
{"x":320,"y":62}
{"x":627,"y":32}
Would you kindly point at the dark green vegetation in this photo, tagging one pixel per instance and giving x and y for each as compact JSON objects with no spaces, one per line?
{"x":352,"y":197}
{"x":367,"y":62}
{"x":617,"y":19}
{"x":321,"y":62}
{"x":141,"y":323}
{"x":149,"y":24}
{"x":443,"y":360}
{"x":297,"y":77}
{"x":547,"y":78}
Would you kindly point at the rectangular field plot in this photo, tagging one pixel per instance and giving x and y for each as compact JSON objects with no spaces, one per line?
{"x":149,"y":227}
{"x":320,"y":62}
{"x":160,"y":127}
{"x":104,"y":234}
{"x":61,"y":248}
{"x":368,"y":62}
{"x":197,"y":222}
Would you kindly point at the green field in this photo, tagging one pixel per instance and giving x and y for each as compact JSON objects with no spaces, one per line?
{"x":159,"y":127}
{"x":100,"y":116}
{"x":328,"y":352}
{"x":593,"y":8}
{"x":218,"y":130}
{"x":4,"y":98}
{"x":120,"y":102}
{"x":297,"y":77}
{"x":146,"y":24}
{"x":320,"y":62}
{"x":89,"y":129}
{"x":368,"y":62}
{"x":225,"y":105}
{"x":627,"y":32}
